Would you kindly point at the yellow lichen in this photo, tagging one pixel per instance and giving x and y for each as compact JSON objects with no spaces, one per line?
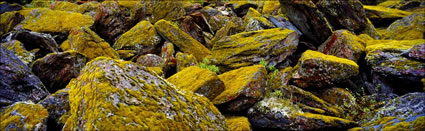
{"x":270,"y":7}
{"x":379,"y":12}
{"x":326,"y":119}
{"x":23,"y":116}
{"x":18,"y":49}
{"x":238,"y":123}
{"x":309,"y":54}
{"x":185,"y":60}
{"x":64,"y":6}
{"x":142,"y":35}
{"x":7,"y":21}
{"x":392,"y":45}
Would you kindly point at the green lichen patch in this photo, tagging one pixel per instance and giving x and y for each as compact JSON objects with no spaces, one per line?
{"x":24,"y":116}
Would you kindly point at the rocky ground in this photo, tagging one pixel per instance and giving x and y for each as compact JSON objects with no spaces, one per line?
{"x":210,"y":65}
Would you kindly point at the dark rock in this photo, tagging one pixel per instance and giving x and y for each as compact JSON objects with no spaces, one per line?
{"x":283,"y":23}
{"x":19,"y":50}
{"x":6,"y":7}
{"x":188,"y":25}
{"x":56,"y":69}
{"x":57,"y":105}
{"x":17,"y":82}
{"x":417,"y":52}
{"x":34,"y":40}
{"x":241,"y":7}
{"x":110,"y":21}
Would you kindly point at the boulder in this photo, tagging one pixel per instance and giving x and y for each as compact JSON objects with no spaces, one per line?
{"x":248,"y":48}
{"x":65,"y":6}
{"x":243,"y":88}
{"x":55,"y":70}
{"x":317,"y":70}
{"x":337,"y":96}
{"x":89,"y":8}
{"x":7,"y":7}
{"x":189,"y":25}
{"x":9,"y":20}
{"x":417,"y":52}
{"x":198,"y":80}
{"x":110,"y":21}
{"x":155,"y":10}
{"x":414,"y":123}
{"x":241,"y":7}
{"x":344,"y":44}
{"x":19,"y":50}
{"x":284,"y":23}
{"x":181,"y":39}
{"x":34,"y":40}
{"x":57,"y":104}
{"x":18,"y":83}
{"x":88,"y":43}
{"x":384,"y":16}
{"x":227,"y":30}
{"x":24,"y":116}
{"x":142,"y":38}
{"x":185,"y":60}
{"x":113,"y":94}
{"x":151,"y":60}
{"x":409,"y":28}
{"x":219,"y":21}
{"x":238,"y":123}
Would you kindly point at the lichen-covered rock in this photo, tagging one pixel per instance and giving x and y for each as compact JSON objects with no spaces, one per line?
{"x":274,"y":112}
{"x":110,"y":21}
{"x":120,"y":95}
{"x":89,"y":8}
{"x":403,"y":107}
{"x":241,"y":8}
{"x":7,"y":7}
{"x":65,"y":6}
{"x":88,"y":43}
{"x":151,"y":60}
{"x":393,"y":72}
{"x":238,"y":123}
{"x":56,"y":69}
{"x":34,"y":40}
{"x":254,"y":21}
{"x":228,"y":29}
{"x":198,"y":80}
{"x":9,"y":20}
{"x":57,"y":105}
{"x":243,"y":88}
{"x":284,"y":23}
{"x":271,"y":8}
{"x":19,"y":50}
{"x":315,"y":69}
{"x":190,"y":26}
{"x":181,"y":39}
{"x":344,"y":44}
{"x":155,"y":10}
{"x":337,"y":96}
{"x":50,"y":21}
{"x":142,"y":38}
{"x":25,"y":116}
{"x":409,"y":28}
{"x":248,"y":48}
{"x":408,"y":5}
{"x":383,"y":16}
{"x":17,"y":82}
{"x":185,"y":60}
{"x":417,"y":52}
{"x":414,"y":123}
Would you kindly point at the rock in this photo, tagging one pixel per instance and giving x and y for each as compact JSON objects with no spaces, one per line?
{"x":56,"y":69}
{"x":167,"y":53}
{"x":181,"y":39}
{"x":18,"y":83}
{"x":121,"y":92}
{"x":238,"y":123}
{"x":271,"y":8}
{"x":409,"y":5}
{"x":188,"y":25}
{"x":185,"y":60}
{"x":9,"y":21}
{"x":126,"y":54}
{"x":317,"y":70}
{"x":248,"y":48}
{"x":284,"y":23}
{"x":151,"y":60}
{"x":409,"y":28}
{"x":391,"y":71}
{"x":258,"y":23}
{"x":344,"y":44}
{"x":142,"y":38}
{"x":88,"y":43}
{"x":241,"y":7}
{"x":6,"y":7}
{"x":227,"y":30}
{"x":279,"y":113}
{"x":33,"y":40}
{"x":155,"y":10}
{"x":110,"y":21}
{"x":384,"y":16}
{"x":89,"y":8}
{"x":19,"y":50}
{"x":198,"y":80}
{"x":337,"y":96}
{"x":50,"y":21}
{"x":65,"y":6}
{"x":40,"y":3}
{"x":243,"y":88}
{"x":57,"y":105}
{"x":414,"y":123}
{"x":307,"y":18}
{"x":219,"y":21}
{"x":417,"y":52}
{"x":24,"y":116}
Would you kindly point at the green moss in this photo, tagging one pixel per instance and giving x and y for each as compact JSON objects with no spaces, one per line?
{"x":24,"y":116}
{"x":238,"y":123}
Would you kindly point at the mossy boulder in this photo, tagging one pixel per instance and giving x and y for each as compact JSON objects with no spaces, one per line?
{"x":338,"y":96}
{"x":248,"y":48}
{"x":51,"y":21}
{"x":185,"y":60}
{"x":9,"y":20}
{"x":344,"y":44}
{"x":190,"y":25}
{"x":85,"y":41}
{"x":24,"y":116}
{"x":198,"y":80}
{"x":407,"y":5}
{"x":238,"y":123}
{"x":110,"y":21}
{"x":241,"y":8}
{"x":384,"y":16}
{"x":151,"y":60}
{"x":243,"y":88}
{"x":271,"y":8}
{"x":57,"y":104}
{"x":218,"y":21}
{"x":317,"y":70}
{"x":155,"y":10}
{"x":181,"y":39}
{"x":142,"y":38}
{"x":254,"y":21}
{"x":414,"y":123}
{"x":409,"y":28}
{"x":8,"y":7}
{"x":89,"y":8}
{"x":19,"y":50}
{"x":274,"y":112}
{"x":417,"y":52}
{"x":55,"y":70}
{"x":109,"y":94}
{"x":228,"y":29}
{"x":65,"y":6}
{"x":284,"y":23}
{"x":43,"y":42}
{"x":18,"y":83}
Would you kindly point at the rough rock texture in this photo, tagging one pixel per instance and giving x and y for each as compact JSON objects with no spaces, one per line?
{"x":384,"y":16}
{"x":241,"y":7}
{"x":6,"y":7}
{"x":414,"y":123}
{"x":24,"y":116}
{"x":417,"y":52}
{"x":88,"y":43}
{"x":189,"y":25}
{"x":151,"y":60}
{"x":19,"y":50}
{"x":9,"y":20}
{"x":56,"y":69}
{"x":181,"y":39}
{"x":142,"y":38}
{"x":33,"y":40}
{"x":409,"y":28}
{"x":392,"y":72}
{"x":110,"y":21}
{"x":17,"y":83}
{"x":337,"y":96}
{"x":228,"y":29}
{"x":283,"y":23}
{"x":254,"y":21}
{"x":185,"y":60}
{"x":315,"y":69}
{"x":155,"y":10}
{"x":219,"y":21}
{"x":408,"y":5}
{"x":238,"y":123}
{"x":280,"y":113}
{"x":198,"y":80}
{"x":344,"y":44}
{"x":89,"y":8}
{"x":57,"y":105}
{"x":247,"y":48}
{"x":49,"y":21}
{"x":243,"y":88}
{"x":113,"y":94}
